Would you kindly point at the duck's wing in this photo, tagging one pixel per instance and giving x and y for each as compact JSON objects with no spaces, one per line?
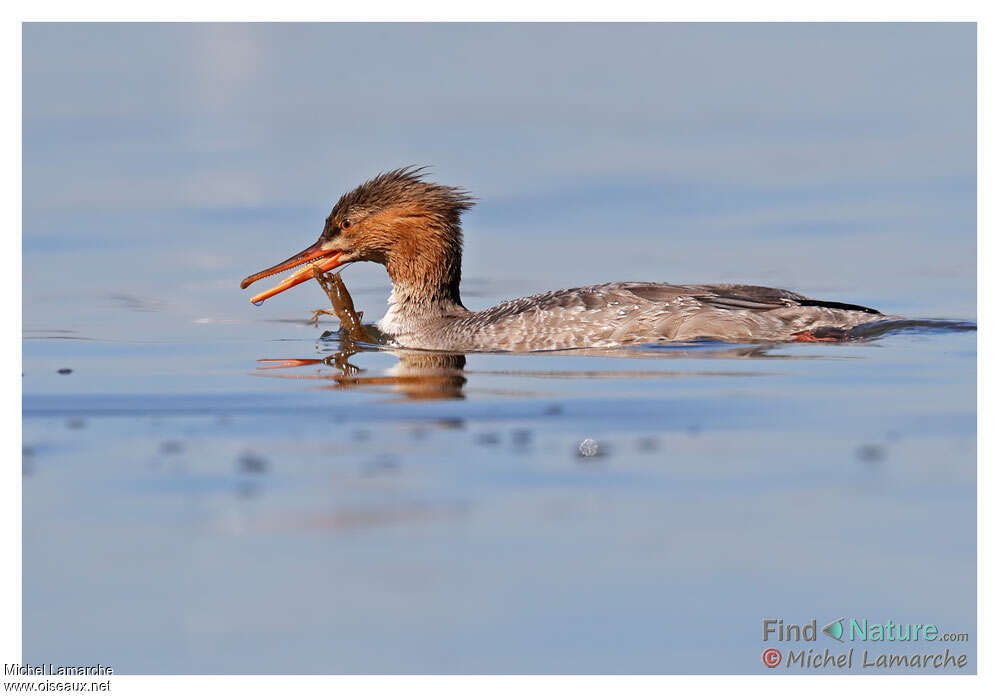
{"x":735,"y":297}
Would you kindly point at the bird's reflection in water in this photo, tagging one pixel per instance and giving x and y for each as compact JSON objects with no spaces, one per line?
{"x":419,"y":375}
{"x":427,"y":375}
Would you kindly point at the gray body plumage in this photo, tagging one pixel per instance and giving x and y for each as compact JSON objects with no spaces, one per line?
{"x":619,"y":314}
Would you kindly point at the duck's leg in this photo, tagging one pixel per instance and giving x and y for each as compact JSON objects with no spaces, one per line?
{"x":823,"y":334}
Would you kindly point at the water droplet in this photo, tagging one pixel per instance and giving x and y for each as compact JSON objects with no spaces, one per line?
{"x":258,"y":303}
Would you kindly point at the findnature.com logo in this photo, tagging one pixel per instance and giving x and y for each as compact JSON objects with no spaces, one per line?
{"x":844,"y":630}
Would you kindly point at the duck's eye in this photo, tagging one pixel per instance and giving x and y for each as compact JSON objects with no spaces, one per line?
{"x":345,"y":224}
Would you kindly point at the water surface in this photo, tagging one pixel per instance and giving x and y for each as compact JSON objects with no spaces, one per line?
{"x":209,"y":488}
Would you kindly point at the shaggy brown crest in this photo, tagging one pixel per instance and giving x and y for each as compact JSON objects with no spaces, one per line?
{"x":403,"y":187}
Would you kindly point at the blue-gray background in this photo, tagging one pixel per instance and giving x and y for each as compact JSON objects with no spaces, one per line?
{"x":162,"y":163}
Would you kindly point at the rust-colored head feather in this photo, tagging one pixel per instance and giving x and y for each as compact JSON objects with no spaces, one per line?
{"x":410,"y":225}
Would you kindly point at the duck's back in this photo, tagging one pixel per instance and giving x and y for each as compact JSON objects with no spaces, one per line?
{"x":615,"y":314}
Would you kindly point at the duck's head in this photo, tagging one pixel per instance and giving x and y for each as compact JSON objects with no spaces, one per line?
{"x":411,"y":226}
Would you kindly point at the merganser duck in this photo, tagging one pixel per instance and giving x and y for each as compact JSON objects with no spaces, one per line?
{"x":413,"y":228}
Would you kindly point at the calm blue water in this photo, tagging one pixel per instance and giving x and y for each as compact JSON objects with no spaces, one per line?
{"x":190,"y":508}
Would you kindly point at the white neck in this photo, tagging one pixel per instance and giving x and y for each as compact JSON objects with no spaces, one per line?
{"x":408,"y":310}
